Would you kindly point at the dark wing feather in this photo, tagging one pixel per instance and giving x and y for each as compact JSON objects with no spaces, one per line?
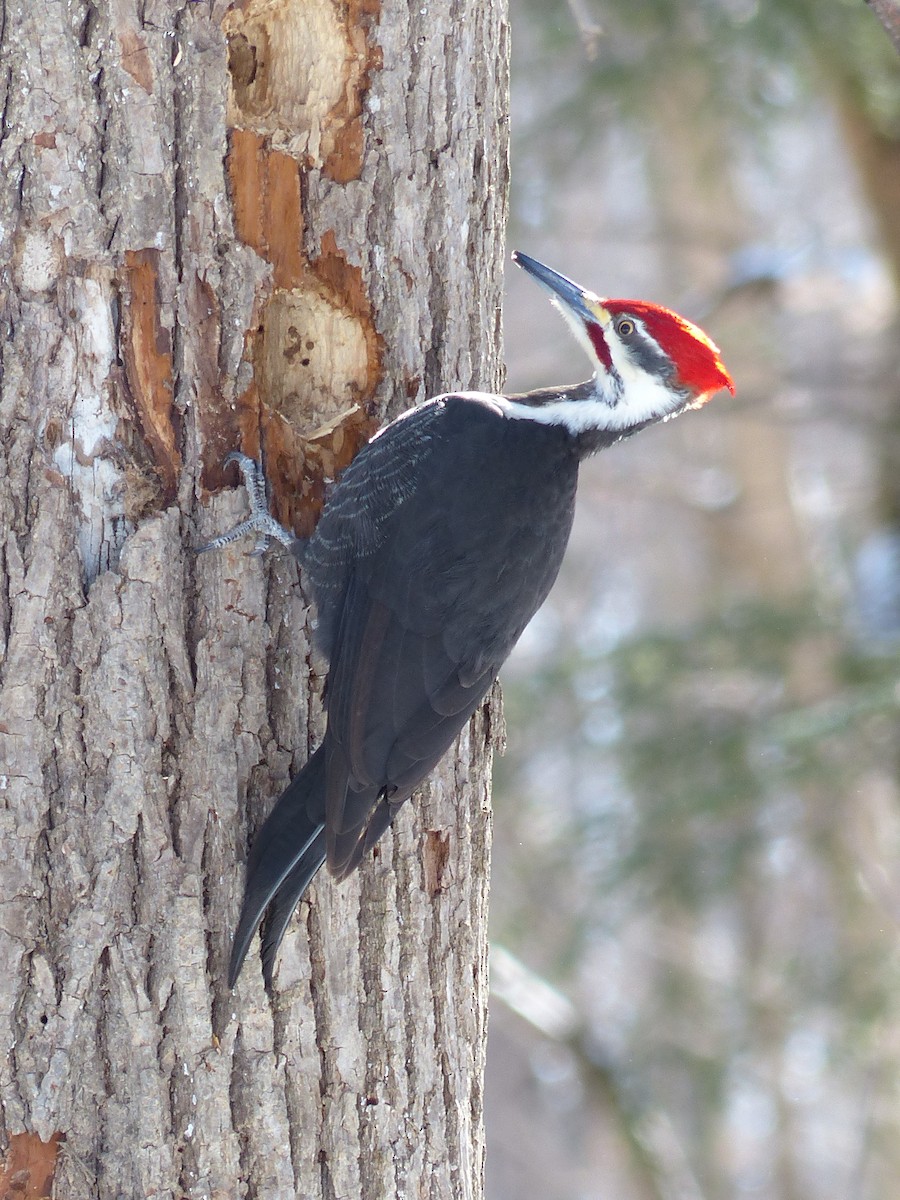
{"x":426,"y":605}
{"x":385,"y":473}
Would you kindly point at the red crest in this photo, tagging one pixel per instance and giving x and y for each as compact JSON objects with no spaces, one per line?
{"x":696,"y":357}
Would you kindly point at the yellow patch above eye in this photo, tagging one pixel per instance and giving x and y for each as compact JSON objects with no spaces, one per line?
{"x":593,"y":303}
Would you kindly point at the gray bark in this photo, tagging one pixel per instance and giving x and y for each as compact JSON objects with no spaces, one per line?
{"x":265,"y":226}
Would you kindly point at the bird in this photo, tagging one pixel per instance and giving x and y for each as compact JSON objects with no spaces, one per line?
{"x":436,"y":547}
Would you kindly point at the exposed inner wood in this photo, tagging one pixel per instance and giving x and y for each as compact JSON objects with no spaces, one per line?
{"x":28,"y":1167}
{"x":147,"y":352}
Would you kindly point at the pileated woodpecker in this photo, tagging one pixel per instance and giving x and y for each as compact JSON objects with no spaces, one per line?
{"x":434,"y":551}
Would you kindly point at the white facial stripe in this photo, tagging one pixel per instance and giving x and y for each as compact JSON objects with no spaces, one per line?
{"x":576,"y":327}
{"x":627,"y":396}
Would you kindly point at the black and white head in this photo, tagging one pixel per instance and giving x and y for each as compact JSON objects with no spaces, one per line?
{"x":649,"y":362}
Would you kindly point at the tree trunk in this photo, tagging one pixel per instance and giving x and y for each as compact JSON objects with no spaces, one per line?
{"x":263,"y":226}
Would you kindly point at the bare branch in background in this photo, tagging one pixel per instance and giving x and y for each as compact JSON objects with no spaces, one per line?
{"x":588,"y":29}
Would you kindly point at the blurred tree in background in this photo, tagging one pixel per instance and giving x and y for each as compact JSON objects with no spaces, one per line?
{"x":713,"y":61}
{"x":698,"y":822}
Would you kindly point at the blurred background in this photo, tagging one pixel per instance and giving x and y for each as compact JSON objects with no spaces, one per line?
{"x":696,"y":898}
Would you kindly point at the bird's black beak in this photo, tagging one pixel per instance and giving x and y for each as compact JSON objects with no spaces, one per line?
{"x":576,"y":299}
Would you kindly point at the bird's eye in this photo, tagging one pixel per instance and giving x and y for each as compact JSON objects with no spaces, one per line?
{"x":625,"y":327}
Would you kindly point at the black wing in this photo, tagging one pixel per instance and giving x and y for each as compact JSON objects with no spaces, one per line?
{"x":439,"y":544}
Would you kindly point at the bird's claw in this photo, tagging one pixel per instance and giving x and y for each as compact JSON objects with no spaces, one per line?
{"x":261,"y":522}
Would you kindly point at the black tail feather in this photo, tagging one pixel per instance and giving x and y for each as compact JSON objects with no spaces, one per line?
{"x":285,"y":856}
{"x":286,"y":898}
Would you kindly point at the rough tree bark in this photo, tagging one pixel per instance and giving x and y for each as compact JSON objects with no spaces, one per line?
{"x":264,"y":225}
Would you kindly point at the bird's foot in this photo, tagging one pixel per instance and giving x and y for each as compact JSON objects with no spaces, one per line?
{"x":261,"y":522}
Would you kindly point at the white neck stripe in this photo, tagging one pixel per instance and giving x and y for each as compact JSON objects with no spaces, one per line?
{"x":578,"y":416}
{"x":643,"y":399}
